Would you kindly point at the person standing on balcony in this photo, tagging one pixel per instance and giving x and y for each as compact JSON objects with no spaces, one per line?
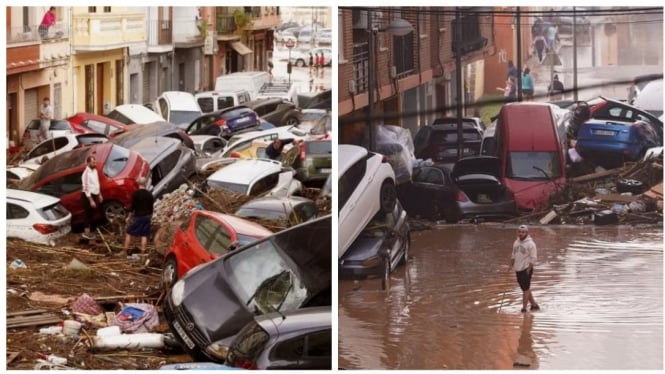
{"x":47,"y":21}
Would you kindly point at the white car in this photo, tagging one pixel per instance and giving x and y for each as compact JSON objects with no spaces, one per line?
{"x":244,"y":140}
{"x":35,"y":217}
{"x":254,"y":177}
{"x":208,"y":145}
{"x":57,"y":128}
{"x":131,"y":114}
{"x":301,"y":58}
{"x":366,"y":186}
{"x":60,"y":144}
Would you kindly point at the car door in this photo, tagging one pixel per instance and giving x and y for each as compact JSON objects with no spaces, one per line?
{"x":433,"y":192}
{"x":421,"y":140}
{"x":317,"y":353}
{"x":48,"y":149}
{"x":206,"y":245}
{"x":165,"y":175}
{"x":68,"y":188}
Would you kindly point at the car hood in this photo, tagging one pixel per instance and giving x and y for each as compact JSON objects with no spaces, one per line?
{"x":366,"y":246}
{"x":532,"y":195}
{"x":487,"y":165}
{"x":208,"y":297}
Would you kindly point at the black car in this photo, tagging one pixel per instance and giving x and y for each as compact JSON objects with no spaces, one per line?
{"x":286,"y":271}
{"x":277,"y":111}
{"x":438,"y":141}
{"x":471,"y":190}
{"x":379,"y":248}
{"x":226,"y":122}
{"x":137,"y":132}
{"x":298,"y":339}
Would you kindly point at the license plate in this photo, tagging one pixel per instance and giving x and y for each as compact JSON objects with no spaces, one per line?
{"x":325,"y":170}
{"x":190,"y":344}
{"x":603,"y":132}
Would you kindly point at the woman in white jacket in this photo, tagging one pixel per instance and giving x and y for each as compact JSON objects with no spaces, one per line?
{"x":522,"y":261}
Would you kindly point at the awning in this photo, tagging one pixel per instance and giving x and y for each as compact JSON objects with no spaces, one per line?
{"x":241,"y":48}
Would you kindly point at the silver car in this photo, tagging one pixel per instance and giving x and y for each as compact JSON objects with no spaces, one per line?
{"x":171,"y":163}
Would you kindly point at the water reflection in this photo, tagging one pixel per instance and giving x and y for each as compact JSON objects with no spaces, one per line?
{"x":456,"y":305}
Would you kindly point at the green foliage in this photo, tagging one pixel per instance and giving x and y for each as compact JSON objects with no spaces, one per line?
{"x":487,"y":111}
{"x":242,"y":21}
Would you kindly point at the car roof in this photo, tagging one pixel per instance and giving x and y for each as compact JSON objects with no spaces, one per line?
{"x":246,"y":171}
{"x":154,"y":149}
{"x":138,"y":113}
{"x":84,"y":116}
{"x":33,"y":198}
{"x":348,"y":155}
{"x":241,"y":225}
{"x":155,"y":128}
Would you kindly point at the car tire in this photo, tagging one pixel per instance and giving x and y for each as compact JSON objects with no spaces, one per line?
{"x":387,"y":196}
{"x":300,"y":63}
{"x":114,"y":211}
{"x":630,"y":185}
{"x":169,"y":272}
{"x":291,"y":121}
{"x":385,"y":277}
{"x":407,"y":247}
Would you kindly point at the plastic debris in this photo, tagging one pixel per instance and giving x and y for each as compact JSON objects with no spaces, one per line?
{"x":18,"y":264}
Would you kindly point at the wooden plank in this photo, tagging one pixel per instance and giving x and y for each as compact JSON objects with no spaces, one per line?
{"x":36,"y":323}
{"x":25,"y":319}
{"x":26,"y":312}
{"x":616,"y":198}
{"x":601,"y":174}
{"x":11,"y":356}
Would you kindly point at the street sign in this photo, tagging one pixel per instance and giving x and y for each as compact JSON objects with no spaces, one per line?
{"x":290,"y":43}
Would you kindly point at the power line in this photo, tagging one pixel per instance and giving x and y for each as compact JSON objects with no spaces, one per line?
{"x":485,"y":11}
{"x":348,"y":119}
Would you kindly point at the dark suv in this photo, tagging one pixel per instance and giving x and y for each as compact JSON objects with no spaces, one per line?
{"x":226,"y":122}
{"x":279,"y":112}
{"x":439,"y":140}
{"x":282,"y":272}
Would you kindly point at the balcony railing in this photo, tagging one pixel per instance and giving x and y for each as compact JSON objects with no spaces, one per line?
{"x":225,"y":25}
{"x":361,"y":66}
{"x":160,"y":32}
{"x":101,"y":30}
{"x":31,"y":34}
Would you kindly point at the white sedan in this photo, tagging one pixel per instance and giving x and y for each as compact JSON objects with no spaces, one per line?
{"x":256,"y":177}
{"x":366,"y":187}
{"x":36,"y":217}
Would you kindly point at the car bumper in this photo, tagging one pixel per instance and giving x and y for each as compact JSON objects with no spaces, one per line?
{"x":181,"y":325}
{"x":494,"y":210}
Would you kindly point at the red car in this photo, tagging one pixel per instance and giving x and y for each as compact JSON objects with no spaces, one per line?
{"x":91,"y":123}
{"x":118,"y":168}
{"x":206,"y":236}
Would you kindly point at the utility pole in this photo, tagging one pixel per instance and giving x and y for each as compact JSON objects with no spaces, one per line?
{"x":518,"y":15}
{"x":458,"y":80}
{"x":370,"y":81}
{"x":574,"y":55}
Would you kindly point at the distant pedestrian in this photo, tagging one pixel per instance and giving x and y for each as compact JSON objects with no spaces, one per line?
{"x":539,"y":45}
{"x":527,"y":85}
{"x":316,"y":65}
{"x":555,"y":89}
{"x":140,"y":214}
{"x":512,"y":70}
{"x":509,"y":91}
{"x":47,"y":21}
{"x":322,"y":64}
{"x":270,"y":66}
{"x":311,"y":63}
{"x":522,"y":262}
{"x":551,"y":36}
{"x":274,"y":149}
{"x":91,"y":195}
{"x":45,"y":116}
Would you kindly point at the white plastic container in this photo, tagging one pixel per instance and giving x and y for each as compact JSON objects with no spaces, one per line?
{"x":51,"y":330}
{"x":71,"y":327}
{"x":130,"y":341}
{"x":109,"y":331}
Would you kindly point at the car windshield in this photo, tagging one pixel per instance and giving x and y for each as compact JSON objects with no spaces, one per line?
{"x":533,"y":165}
{"x":234,"y":187}
{"x":180,"y":117}
{"x":249,"y":212}
{"x":61,"y":162}
{"x":116,"y":161}
{"x":265,"y":279}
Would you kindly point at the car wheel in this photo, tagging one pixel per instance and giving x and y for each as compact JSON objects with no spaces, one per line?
{"x":407,"y":246}
{"x":385,"y":280}
{"x":388,"y":196}
{"x":114,"y":211}
{"x":630,"y":185}
{"x":169,"y":272}
{"x":300,"y":63}
{"x":605,"y":217}
{"x":291,"y":121}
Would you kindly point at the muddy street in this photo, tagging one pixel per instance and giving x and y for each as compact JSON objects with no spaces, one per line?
{"x":456,"y":304}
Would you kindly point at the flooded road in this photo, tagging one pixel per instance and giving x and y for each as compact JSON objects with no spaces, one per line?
{"x":456,"y":304}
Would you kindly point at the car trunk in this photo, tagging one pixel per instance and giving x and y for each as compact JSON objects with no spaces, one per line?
{"x":479,"y":179}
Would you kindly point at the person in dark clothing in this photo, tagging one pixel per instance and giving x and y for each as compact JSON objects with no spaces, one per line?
{"x":555,"y":89}
{"x":512,"y":70}
{"x":139,"y":216}
{"x":311,"y":63}
{"x":274,"y":149}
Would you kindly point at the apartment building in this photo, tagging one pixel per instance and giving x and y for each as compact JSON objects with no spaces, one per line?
{"x":413,"y":73}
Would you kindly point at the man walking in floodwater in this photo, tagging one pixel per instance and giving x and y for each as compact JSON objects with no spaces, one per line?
{"x":522,"y":261}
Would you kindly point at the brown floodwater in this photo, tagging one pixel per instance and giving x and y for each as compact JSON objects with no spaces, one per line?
{"x":456,"y":304}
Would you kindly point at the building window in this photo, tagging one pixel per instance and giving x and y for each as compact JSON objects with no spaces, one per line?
{"x":340,"y":35}
{"x":361,"y":66}
{"x":92,"y":9}
{"x":471,"y":39}
{"x":403,"y":54}
{"x":107,"y":9}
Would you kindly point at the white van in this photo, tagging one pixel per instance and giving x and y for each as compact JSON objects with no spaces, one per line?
{"x":177,"y":107}
{"x":281,"y":90}
{"x":212,"y":101}
{"x":130,"y":114}
{"x":251,"y":81}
